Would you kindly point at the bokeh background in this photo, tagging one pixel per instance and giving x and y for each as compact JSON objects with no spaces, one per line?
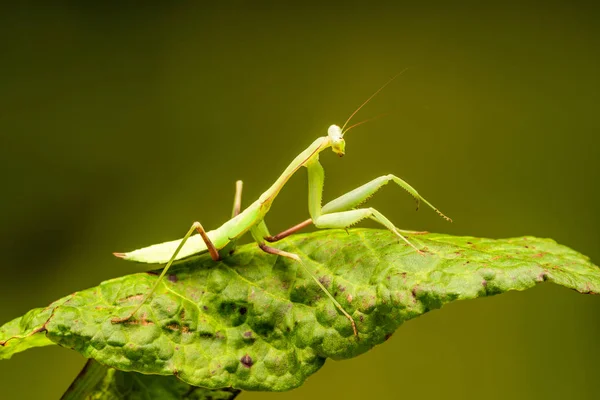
{"x":122,"y":124}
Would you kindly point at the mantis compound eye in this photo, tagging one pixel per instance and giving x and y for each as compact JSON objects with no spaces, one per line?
{"x":335,"y":133}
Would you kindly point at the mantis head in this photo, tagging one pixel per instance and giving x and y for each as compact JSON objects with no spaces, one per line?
{"x":338,"y":145}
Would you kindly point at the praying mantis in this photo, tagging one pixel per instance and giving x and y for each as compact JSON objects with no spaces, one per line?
{"x":341,"y":212}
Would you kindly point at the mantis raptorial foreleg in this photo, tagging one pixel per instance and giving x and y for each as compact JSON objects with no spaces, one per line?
{"x":338,"y":214}
{"x":307,"y":222}
{"x":363,"y":193}
{"x":344,"y":219}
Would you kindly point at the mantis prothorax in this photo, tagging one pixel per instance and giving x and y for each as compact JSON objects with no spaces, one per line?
{"x":341,"y":212}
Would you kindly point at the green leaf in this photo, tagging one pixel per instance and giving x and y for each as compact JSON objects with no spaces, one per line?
{"x":97,"y":382}
{"x":254,"y":321}
{"x":27,"y":331}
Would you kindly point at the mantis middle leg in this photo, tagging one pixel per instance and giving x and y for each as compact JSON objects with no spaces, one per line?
{"x":260,"y":231}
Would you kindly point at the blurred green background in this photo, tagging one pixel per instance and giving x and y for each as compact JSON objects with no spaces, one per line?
{"x":120,"y":125}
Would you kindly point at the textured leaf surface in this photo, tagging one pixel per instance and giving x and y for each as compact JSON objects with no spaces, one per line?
{"x":97,"y":382}
{"x":257,"y":322}
{"x":27,"y":331}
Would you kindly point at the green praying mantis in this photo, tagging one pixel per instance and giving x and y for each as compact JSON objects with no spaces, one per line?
{"x":341,"y":212}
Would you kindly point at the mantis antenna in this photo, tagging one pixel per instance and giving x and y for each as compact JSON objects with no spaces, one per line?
{"x":365,"y":121}
{"x":371,"y":97}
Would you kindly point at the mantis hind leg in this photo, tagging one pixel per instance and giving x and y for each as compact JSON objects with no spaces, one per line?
{"x":229,"y":249}
{"x":237,"y":199}
{"x":196,"y":227}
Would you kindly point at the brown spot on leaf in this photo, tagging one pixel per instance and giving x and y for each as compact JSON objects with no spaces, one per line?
{"x":176,"y":327}
{"x":349,"y":298}
{"x":588,"y":289}
{"x":248,"y":334}
{"x":415,"y":291}
{"x":538,"y":255}
{"x":143,"y":321}
{"x":172,"y":278}
{"x":135,"y":297}
{"x":324,"y":280}
{"x":247,"y":361}
{"x":484,"y":283}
